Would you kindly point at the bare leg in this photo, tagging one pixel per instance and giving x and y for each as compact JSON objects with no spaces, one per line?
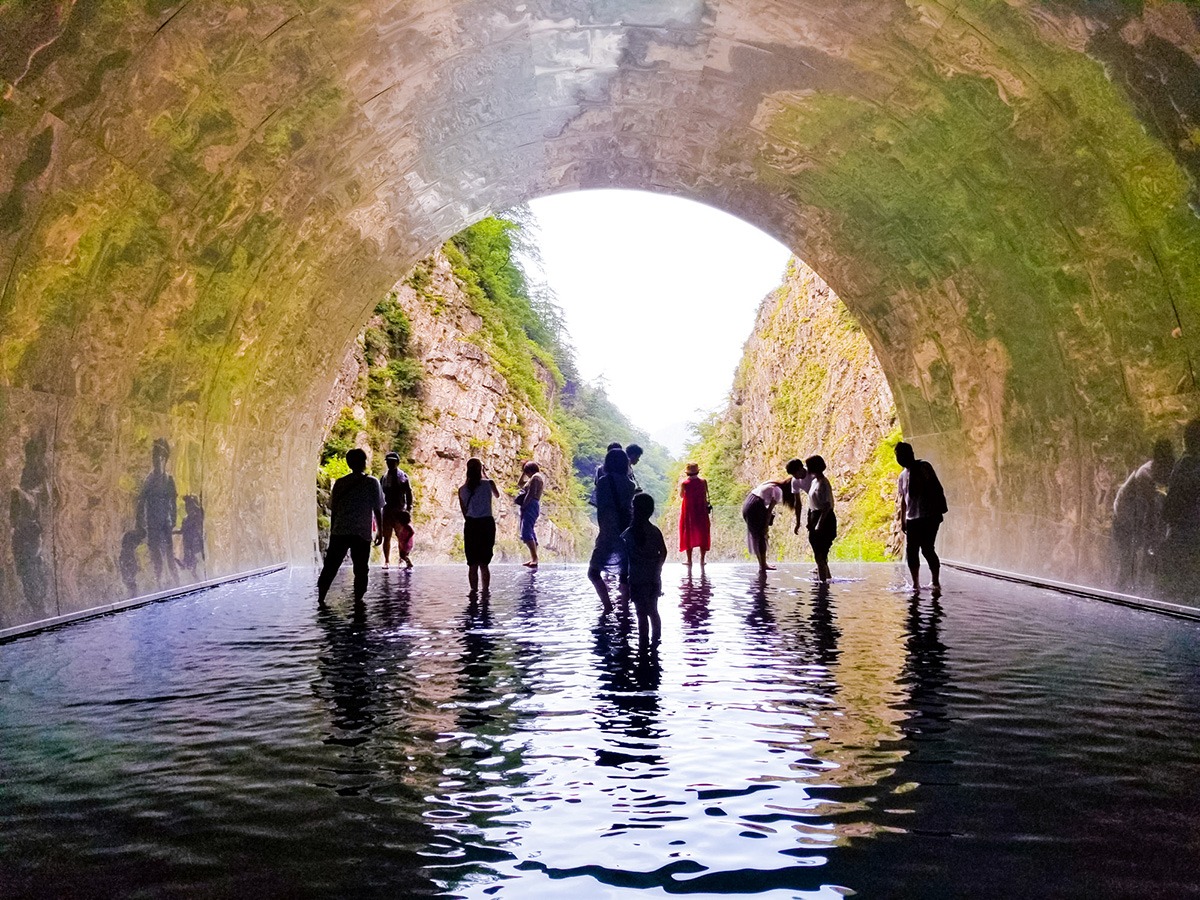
{"x":533,"y":557}
{"x":597,"y":580}
{"x":689,"y":562}
{"x":473,"y":578}
{"x":935,"y":567}
{"x":387,"y":549}
{"x":762,"y":556}
{"x":823,"y":568}
{"x":486,"y":574}
{"x":703,"y":553}
{"x":914,"y":570}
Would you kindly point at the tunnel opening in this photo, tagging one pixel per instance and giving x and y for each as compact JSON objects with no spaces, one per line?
{"x":510,"y":343}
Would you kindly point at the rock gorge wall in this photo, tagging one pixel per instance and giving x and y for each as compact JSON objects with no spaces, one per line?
{"x":809,"y":383}
{"x":467,"y":408}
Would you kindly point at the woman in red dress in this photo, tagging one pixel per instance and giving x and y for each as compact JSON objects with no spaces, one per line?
{"x":693,"y":515}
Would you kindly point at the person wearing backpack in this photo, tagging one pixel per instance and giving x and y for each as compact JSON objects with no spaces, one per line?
{"x":614,"y":513}
{"x":920,"y":506}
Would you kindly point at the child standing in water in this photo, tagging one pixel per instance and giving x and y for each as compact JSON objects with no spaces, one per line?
{"x":822,"y":523}
{"x":646,"y":552}
{"x":404,"y":536}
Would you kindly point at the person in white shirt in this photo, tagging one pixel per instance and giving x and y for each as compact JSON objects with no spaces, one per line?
{"x":802,"y":481}
{"x":920,"y":505}
{"x":479,"y":526}
{"x":355,"y":504}
{"x":758,"y":513}
{"x":822,"y":523}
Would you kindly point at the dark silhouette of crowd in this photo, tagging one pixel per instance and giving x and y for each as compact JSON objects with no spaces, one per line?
{"x":1156,"y":522}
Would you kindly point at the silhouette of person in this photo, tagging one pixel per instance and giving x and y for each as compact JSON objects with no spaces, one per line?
{"x":479,"y":525}
{"x":28,"y":502}
{"x":646,"y":551}
{"x":822,"y":523}
{"x":920,"y":506}
{"x":694,"y":525}
{"x":355,"y":503}
{"x":614,"y":512}
{"x":1137,"y":522}
{"x":529,"y":497}
{"x":157,"y":511}
{"x":758,"y":512}
{"x":191,"y":533}
{"x":634,"y":452}
{"x":397,"y":498}
{"x":404,"y":537}
{"x":614,"y":445}
{"x":1180,"y":573}
{"x":800,"y":485}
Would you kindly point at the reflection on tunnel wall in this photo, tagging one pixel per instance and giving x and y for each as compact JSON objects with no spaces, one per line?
{"x":200,"y":203}
{"x":118,"y":510}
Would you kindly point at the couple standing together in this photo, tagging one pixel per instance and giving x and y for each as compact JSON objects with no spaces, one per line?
{"x":920,"y":508}
{"x":805,"y":477}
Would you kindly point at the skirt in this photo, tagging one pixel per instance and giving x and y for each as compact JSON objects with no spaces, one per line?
{"x":758,"y":521}
{"x":479,"y":540}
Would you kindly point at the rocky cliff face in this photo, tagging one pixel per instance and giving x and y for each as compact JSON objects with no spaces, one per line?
{"x":466,"y":408}
{"x":808,"y":384}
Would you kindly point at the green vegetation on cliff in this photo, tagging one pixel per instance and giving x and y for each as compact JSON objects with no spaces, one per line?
{"x":829,"y":398}
{"x":522,"y":335}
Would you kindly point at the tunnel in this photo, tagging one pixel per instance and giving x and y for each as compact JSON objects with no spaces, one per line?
{"x":201,"y":201}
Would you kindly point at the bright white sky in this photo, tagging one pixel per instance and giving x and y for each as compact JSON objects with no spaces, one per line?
{"x":659,"y":295}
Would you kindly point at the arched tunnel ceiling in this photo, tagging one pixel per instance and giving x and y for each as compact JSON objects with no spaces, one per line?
{"x":200,"y":201}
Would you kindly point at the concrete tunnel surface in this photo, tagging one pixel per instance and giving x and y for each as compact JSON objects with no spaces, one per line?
{"x":201,"y":202}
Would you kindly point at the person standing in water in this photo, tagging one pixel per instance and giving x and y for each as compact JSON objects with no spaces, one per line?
{"x":694,"y":525}
{"x":801,"y":484}
{"x":920,"y":505}
{"x":646,"y":551}
{"x":614,"y":512}
{"x":479,"y":525}
{"x":397,"y":498}
{"x":758,"y":512}
{"x":822,"y":523}
{"x":529,"y":499}
{"x":355,"y":504}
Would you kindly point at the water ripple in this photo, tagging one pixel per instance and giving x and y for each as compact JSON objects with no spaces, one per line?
{"x":786,"y":741}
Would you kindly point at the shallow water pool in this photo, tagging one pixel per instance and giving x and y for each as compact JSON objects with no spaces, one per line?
{"x":785,"y":741}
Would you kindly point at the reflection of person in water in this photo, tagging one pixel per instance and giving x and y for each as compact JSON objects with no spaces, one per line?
{"x":28,"y":502}
{"x":156,"y":511}
{"x":824,"y":629}
{"x":1180,"y":570}
{"x":1137,"y":524}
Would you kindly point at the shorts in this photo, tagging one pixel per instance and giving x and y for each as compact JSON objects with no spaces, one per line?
{"x":919,"y":535}
{"x":389,"y":521}
{"x":530,"y":511}
{"x":479,"y":540}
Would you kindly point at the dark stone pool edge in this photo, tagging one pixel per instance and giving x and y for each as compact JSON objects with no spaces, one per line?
{"x":31,"y":628}
{"x":1162,"y":607}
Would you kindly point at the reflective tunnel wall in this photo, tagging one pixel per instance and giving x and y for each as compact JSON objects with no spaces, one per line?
{"x":201,"y":201}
